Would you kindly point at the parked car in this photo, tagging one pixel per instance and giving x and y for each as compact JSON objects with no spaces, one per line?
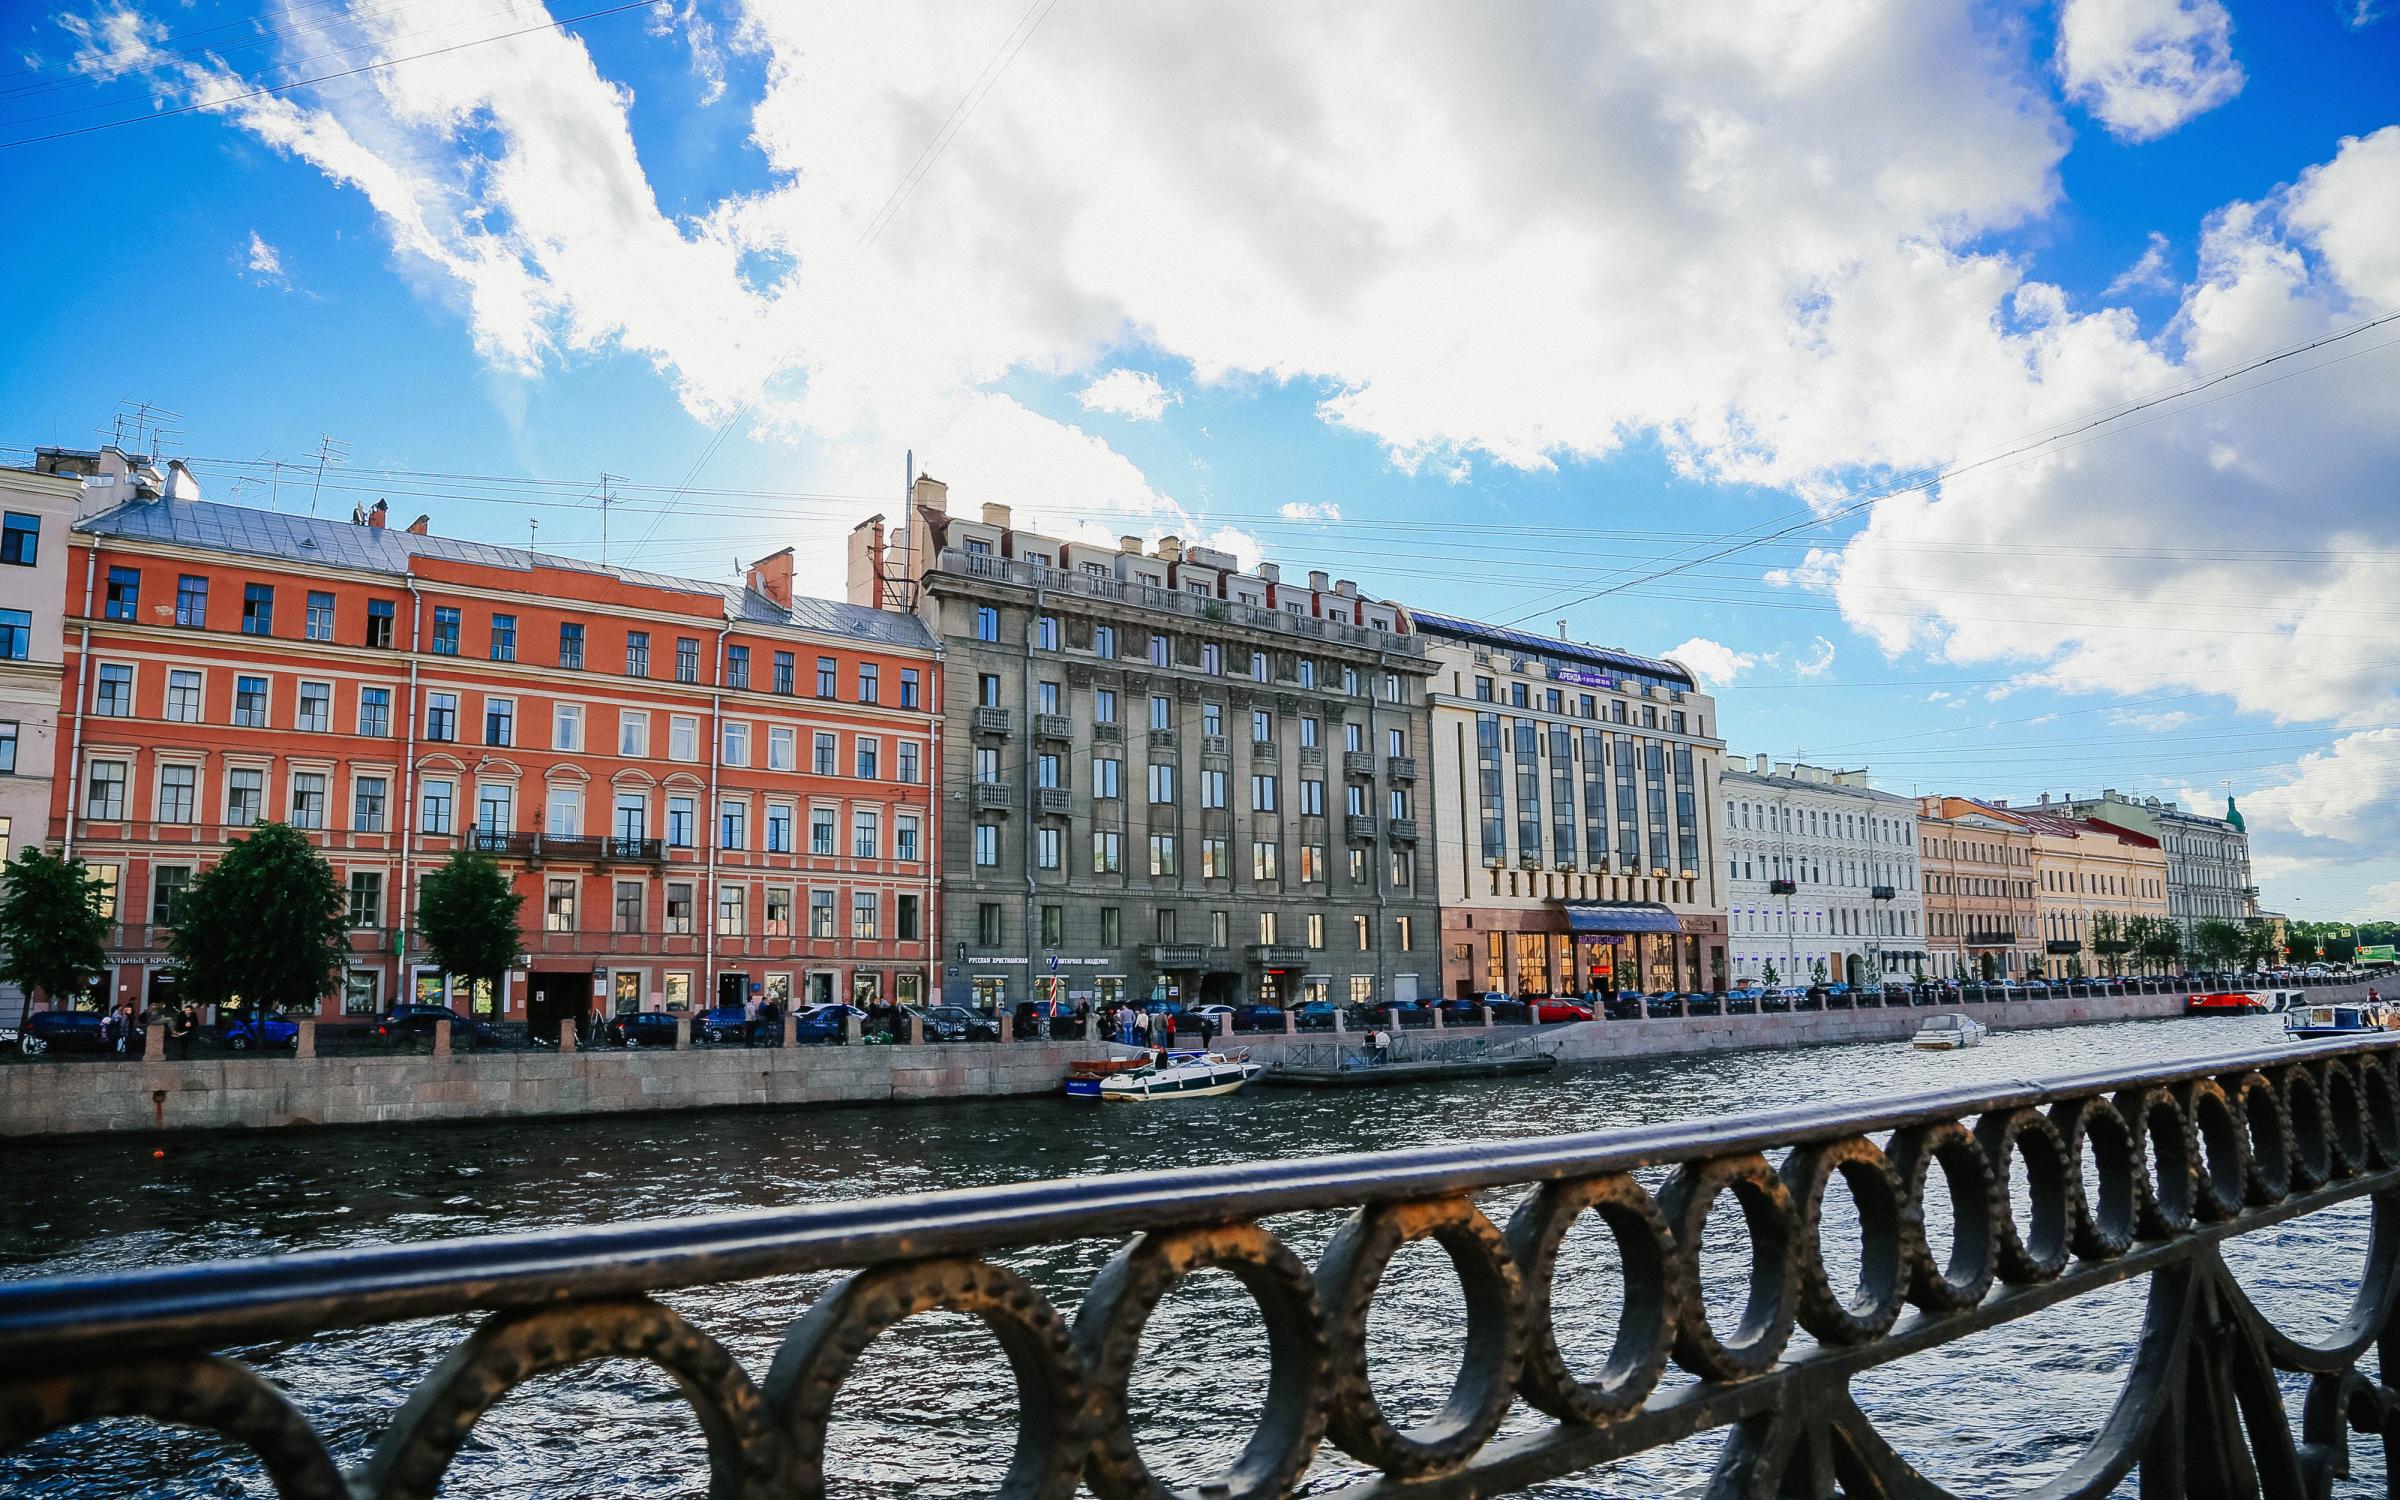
{"x":1316,"y":1015}
{"x":1258,"y":1017}
{"x":1742,"y":1002}
{"x":826,"y":1023}
{"x":1209,"y":1020}
{"x":1703,"y":1003}
{"x":403,"y":1023}
{"x":1550,"y":1010}
{"x":1624,"y":1005}
{"x":1663,"y":1003}
{"x":644,"y":1028}
{"x":243,"y":1030}
{"x":953,"y":1023}
{"x":73,"y":1031}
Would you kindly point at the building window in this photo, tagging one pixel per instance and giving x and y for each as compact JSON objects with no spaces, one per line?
{"x":633,"y":733}
{"x":315,"y":711}
{"x":904,"y":917}
{"x":1361,"y":931}
{"x":629,"y":906}
{"x":779,"y":911}
{"x":250,"y":703}
{"x":1162,"y":854}
{"x":687,"y":659}
{"x":558,"y":906}
{"x":366,"y":804}
{"x":637,"y":653}
{"x":175,"y":788}
{"x":437,"y":803}
{"x":499,"y":721}
{"x":366,"y":898}
{"x":680,"y":816}
{"x":183,"y":697}
{"x":375,"y":711}
{"x":114,"y":696}
{"x":864,"y":915}
{"x":1262,"y":794}
{"x":1316,"y":929}
{"x":987,"y":924}
{"x":821,"y":753}
{"x":1162,"y":784}
{"x":1047,"y":842}
{"x":380,"y":615}
{"x":16,"y":634}
{"x":737,"y":667}
{"x":1107,"y":851}
{"x":308,"y":799}
{"x":870,"y":685}
{"x":908,"y":763}
{"x":258,"y":609}
{"x":678,"y":920}
{"x":987,"y":844}
{"x":733,"y":911}
{"x":1104,"y":642}
{"x":1106,"y":779}
{"x":1263,"y":862}
{"x":123,"y":598}
{"x":904,"y":837}
{"x":779,"y":828}
{"x":820,"y":831}
{"x":167,"y":885}
{"x":866,"y":835}
{"x":908,"y":687}
{"x":191,"y":601}
{"x":20,"y":539}
{"x":1270,"y":927}
{"x":570,"y":646}
{"x":504,"y":637}
{"x":1045,"y":633}
{"x":733,"y":825}
{"x":987,"y":623}
{"x":683,"y":737}
{"x":869,"y":753}
{"x":445,"y":630}
{"x":736,"y":743}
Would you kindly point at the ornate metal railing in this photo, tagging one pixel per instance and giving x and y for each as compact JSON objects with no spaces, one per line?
{"x":2179,"y":1160}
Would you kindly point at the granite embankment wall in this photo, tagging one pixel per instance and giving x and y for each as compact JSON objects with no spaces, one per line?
{"x":64,"y":1097}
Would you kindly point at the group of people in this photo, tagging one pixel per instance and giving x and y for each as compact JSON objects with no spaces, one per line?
{"x":122,"y":1031}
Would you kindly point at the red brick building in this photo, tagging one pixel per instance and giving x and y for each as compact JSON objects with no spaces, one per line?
{"x":700,"y":791}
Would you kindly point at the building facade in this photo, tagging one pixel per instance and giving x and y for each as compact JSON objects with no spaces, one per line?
{"x":1821,"y":870}
{"x":2090,"y":879}
{"x":1574,"y":791}
{"x":2208,"y":859}
{"x":1166,"y":778}
{"x":35,"y":512}
{"x":1975,"y":863}
{"x":702,"y":793}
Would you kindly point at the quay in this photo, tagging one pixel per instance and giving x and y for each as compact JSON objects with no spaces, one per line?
{"x":255,"y":1091}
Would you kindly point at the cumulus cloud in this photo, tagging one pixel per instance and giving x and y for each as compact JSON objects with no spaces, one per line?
{"x":2143,"y":67}
{"x":2148,"y":274}
{"x":1816,"y":661}
{"x":1818,"y":572}
{"x":2150,"y":722}
{"x":1133,"y":394}
{"x":1309,"y":510}
{"x":1713,"y":662}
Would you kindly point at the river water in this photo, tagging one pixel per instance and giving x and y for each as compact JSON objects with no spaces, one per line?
{"x":930,"y":1411}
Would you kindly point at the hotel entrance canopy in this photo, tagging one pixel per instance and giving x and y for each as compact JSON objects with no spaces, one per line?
{"x":1620,"y":917}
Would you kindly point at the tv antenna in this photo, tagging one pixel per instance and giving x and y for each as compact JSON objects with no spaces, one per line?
{"x":332,"y":453}
{"x":148,"y":424}
{"x":608,"y":497}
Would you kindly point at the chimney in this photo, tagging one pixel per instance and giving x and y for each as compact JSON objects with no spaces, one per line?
{"x":1169,"y":549}
{"x":421,"y":526}
{"x":1319,"y":579}
{"x":1345,"y":588}
{"x":1270,"y":572}
{"x":2045,"y":799}
{"x":1783,"y":768}
{"x":377,"y":516}
{"x":932,"y":494}
{"x":1130,"y":543}
{"x":1759,"y":764}
{"x":995,"y":515}
{"x":865,"y":550}
{"x":2108,"y":794}
{"x":772,"y":577}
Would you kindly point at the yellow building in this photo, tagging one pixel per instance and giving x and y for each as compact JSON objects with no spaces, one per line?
{"x":2091,"y":879}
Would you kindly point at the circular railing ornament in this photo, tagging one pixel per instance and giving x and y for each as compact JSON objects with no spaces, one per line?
{"x":1108,"y":1336}
{"x":1645,"y":1326}
{"x":2108,"y":1210}
{"x":1959,"y":1279}
{"x":200,"y":1390}
{"x":1347,"y":1276}
{"x":1866,"y":1310}
{"x":2038,"y":1249}
{"x":2163,"y":1197}
{"x":2268,"y":1123}
{"x":1768,"y":1310}
{"x":2221,"y":1167}
{"x":823,"y":1347}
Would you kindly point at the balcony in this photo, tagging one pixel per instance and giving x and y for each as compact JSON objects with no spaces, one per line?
{"x":991,"y":721}
{"x":1312,"y":757}
{"x":1215,"y":744}
{"x":1278,"y":955}
{"x":1992,"y":937}
{"x":1405,"y":830}
{"x":992,"y":796}
{"x":1162,"y":739}
{"x":1360,"y":826}
{"x":1052,"y":727}
{"x":1357,"y":763}
{"x":1177,"y":955}
{"x":959,"y":563}
{"x":1262,"y":749}
{"x":1052,"y":799}
{"x":1400,"y":768}
{"x":1108,"y":734}
{"x":1882,"y":893}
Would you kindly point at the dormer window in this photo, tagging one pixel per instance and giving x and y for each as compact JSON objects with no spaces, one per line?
{"x":978,"y":549}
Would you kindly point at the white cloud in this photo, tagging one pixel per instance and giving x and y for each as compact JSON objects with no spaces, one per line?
{"x":2148,"y":274}
{"x":2151,"y":723}
{"x":1309,"y":510}
{"x":2381,"y":903}
{"x":1818,"y":572}
{"x":1133,"y":394}
{"x":265,"y":263}
{"x":2143,"y":67}
{"x":1713,"y":662}
{"x":1817,"y":661}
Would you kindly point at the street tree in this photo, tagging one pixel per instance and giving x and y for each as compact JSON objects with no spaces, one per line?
{"x":1987,"y":967}
{"x":467,"y":915}
{"x":2300,"y":942}
{"x":1770,"y":976}
{"x":1816,"y":972}
{"x":264,"y":925}
{"x":2217,"y":942}
{"x":53,"y":930}
{"x":2161,"y":943}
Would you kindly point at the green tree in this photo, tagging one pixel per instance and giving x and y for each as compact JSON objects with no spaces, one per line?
{"x":1816,"y":972}
{"x":467,"y":915}
{"x":2300,"y":942}
{"x":265,"y":924}
{"x":2160,"y":943}
{"x":2258,"y":944}
{"x":1919,"y":973}
{"x":2218,"y":942}
{"x":53,"y":932}
{"x":1770,"y":976}
{"x":1987,"y":967}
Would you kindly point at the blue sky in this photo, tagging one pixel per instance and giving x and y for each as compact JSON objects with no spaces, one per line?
{"x":1490,"y":311}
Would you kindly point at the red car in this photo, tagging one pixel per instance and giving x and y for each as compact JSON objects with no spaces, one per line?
{"x":1552,"y":1010}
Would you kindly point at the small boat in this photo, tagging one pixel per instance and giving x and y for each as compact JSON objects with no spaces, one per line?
{"x":2225,"y":1003}
{"x":1949,"y":1033}
{"x":2303,"y":1023}
{"x":1084,"y":1074}
{"x":1176,"y":1075}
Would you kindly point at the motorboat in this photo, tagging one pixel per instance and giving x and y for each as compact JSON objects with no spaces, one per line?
{"x":2304,"y":1023}
{"x":1175,"y":1075}
{"x":1949,"y":1033}
{"x":1084,"y":1074}
{"x":2225,"y":1003}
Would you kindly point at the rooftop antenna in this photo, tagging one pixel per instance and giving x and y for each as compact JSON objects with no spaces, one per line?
{"x":533,"y":527}
{"x":148,"y":422}
{"x":1562,"y":630}
{"x":608,"y":497}
{"x":333,"y":453}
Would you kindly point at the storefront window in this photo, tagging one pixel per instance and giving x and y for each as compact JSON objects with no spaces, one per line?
{"x":428,"y":987}
{"x":779,"y":990}
{"x":1050,"y":989}
{"x":1533,"y":963}
{"x":990,"y":990}
{"x":1270,"y":988}
{"x":627,"y":994}
{"x":678,"y":989}
{"x":866,"y":988}
{"x":360,"y":992}
{"x":1111,"y":990}
{"x":908,"y":989}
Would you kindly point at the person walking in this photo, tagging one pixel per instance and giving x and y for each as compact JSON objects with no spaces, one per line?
{"x":180,"y":1024}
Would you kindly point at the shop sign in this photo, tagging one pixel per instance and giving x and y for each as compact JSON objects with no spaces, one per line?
{"x":997,"y":958}
{"x":1583,"y":679}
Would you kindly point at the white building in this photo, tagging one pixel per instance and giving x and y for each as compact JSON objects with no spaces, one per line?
{"x":2208,"y":859}
{"x":1821,"y":868}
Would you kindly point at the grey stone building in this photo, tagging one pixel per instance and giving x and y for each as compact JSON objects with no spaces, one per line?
{"x":2208,"y":859}
{"x":1164,"y":777}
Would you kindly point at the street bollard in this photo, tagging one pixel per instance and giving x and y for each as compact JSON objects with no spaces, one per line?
{"x":790,"y":1026}
{"x":566,"y":1035}
{"x":1683,"y":1006}
{"x":305,"y":1044}
{"x":1291,"y":1023}
{"x":1487,"y":1017}
{"x":1437,"y":1017}
{"x":1008,"y":1026}
{"x":441,"y":1038}
{"x":1341,"y":1023}
{"x":916,"y":1030}
{"x":1091,"y":1025}
{"x":850,"y":1028}
{"x":154,"y":1041}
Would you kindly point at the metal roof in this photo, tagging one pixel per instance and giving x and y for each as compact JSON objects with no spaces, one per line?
{"x":250,"y":532}
{"x":1529,"y":644}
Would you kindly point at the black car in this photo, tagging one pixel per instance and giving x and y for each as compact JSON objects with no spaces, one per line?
{"x":953,"y":1023}
{"x":405,"y":1023}
{"x":75,"y":1031}
{"x":644,"y":1028}
{"x":1624,"y":1005}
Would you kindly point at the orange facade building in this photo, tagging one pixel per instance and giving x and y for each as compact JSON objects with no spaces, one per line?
{"x":702,"y":793}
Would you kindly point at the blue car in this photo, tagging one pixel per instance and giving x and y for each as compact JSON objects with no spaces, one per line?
{"x":644,"y":1028}
{"x":72,"y":1031}
{"x":247,"y":1029}
{"x":824,"y":1023}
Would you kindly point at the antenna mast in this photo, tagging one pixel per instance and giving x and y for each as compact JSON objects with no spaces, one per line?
{"x":332,"y":452}
{"x":608,"y":497}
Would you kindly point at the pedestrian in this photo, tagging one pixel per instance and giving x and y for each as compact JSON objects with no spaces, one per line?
{"x":1381,"y":1046}
{"x":180,"y":1024}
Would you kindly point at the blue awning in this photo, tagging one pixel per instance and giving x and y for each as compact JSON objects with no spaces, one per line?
{"x":1620,"y":916}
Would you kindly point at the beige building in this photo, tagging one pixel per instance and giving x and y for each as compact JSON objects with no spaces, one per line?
{"x":2086,"y":870}
{"x":1975,"y":862}
{"x":35,"y":511}
{"x":1574,"y":798}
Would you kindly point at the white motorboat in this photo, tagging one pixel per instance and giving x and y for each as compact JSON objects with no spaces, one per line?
{"x":1180,"y":1075}
{"x":1949,"y":1033}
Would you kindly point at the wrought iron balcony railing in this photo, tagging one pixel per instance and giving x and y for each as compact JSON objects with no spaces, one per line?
{"x":2134,"y":1173}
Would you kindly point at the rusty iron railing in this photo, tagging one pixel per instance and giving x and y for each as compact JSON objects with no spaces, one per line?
{"x":2180,"y":1159}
